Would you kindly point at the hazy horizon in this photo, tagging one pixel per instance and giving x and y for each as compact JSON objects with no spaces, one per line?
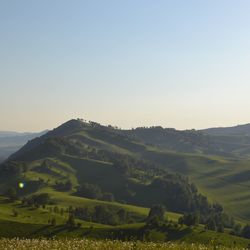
{"x":179,"y":64}
{"x":115,"y":125}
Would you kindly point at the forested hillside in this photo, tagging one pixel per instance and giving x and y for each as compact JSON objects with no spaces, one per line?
{"x":102,"y":175}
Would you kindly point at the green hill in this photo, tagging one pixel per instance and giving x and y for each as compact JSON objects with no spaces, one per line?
{"x":227,"y":142}
{"x":86,"y":167}
{"x":243,"y":130}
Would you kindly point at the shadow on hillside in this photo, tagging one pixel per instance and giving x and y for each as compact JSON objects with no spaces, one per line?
{"x":51,"y":231}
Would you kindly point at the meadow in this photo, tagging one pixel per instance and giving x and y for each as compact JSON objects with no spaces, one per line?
{"x":22,"y":244}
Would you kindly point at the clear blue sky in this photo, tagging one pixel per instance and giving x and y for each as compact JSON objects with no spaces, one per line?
{"x":183,"y":64}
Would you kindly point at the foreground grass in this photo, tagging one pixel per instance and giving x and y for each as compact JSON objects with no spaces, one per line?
{"x":23,"y":244}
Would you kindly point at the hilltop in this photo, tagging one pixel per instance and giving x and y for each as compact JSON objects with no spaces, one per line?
{"x":239,"y":130}
{"x":127,"y":156}
{"x":88,"y":166}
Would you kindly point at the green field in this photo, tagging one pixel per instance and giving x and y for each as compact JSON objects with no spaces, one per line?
{"x":33,"y":223}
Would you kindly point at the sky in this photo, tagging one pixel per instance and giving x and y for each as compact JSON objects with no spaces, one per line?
{"x":182,"y":64}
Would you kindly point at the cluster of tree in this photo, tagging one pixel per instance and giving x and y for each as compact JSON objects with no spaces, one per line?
{"x":191,"y":219}
{"x":52,"y":221}
{"x":125,"y":164}
{"x":11,"y":194}
{"x":12,"y":168}
{"x":245,"y":232}
{"x":32,"y":186}
{"x":181,"y":141}
{"x":63,"y":186}
{"x":45,"y":167}
{"x":179,"y":195}
{"x":37,"y":200}
{"x":56,"y":210}
{"x":92,"y":191}
{"x":241,"y":231}
{"x":156,"y":215}
{"x":105,"y":215}
{"x":71,"y":218}
{"x":71,"y":221}
{"x":215,"y":219}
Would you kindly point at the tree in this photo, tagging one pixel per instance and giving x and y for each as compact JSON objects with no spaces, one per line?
{"x":210,"y":224}
{"x":90,"y":191}
{"x":122,"y":165}
{"x":220,"y":228}
{"x":108,"y":197}
{"x":53,"y":221}
{"x":61,"y":211}
{"x":68,"y":185}
{"x":40,"y":199}
{"x":236,"y":229}
{"x":71,"y":220}
{"x":24,"y":201}
{"x":122,"y":214}
{"x":64,"y":186}
{"x":246,"y":231}
{"x":156,"y":214}
{"x":56,"y":209}
{"x":15,"y":213}
{"x":11,"y":194}
{"x":105,"y":215}
{"x":189,"y":219}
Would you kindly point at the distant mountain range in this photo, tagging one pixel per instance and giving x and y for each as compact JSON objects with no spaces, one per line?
{"x":12,"y":141}
{"x":240,"y":130}
{"x":229,"y":141}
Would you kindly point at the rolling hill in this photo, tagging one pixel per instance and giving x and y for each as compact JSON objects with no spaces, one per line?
{"x":203,"y":142}
{"x":132,"y":170}
{"x":80,"y":153}
{"x":240,"y":130}
{"x":89,"y":152}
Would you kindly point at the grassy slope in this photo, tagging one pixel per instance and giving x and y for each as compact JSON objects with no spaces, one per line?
{"x":223,"y":180}
{"x":197,"y":235}
{"x":32,"y":222}
{"x":63,"y":200}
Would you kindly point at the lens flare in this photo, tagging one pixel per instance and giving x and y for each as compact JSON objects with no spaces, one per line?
{"x":21,"y":185}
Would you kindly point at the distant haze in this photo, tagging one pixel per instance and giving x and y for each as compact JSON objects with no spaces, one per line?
{"x":182,"y":64}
